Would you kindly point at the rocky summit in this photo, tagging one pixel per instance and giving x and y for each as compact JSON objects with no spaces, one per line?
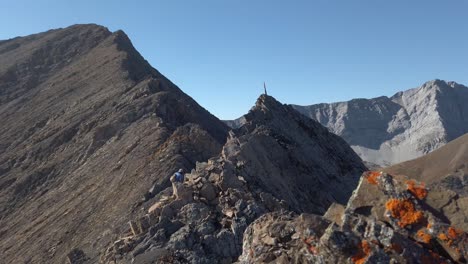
{"x":278,"y":160}
{"x":389,"y":130}
{"x":87,"y":127}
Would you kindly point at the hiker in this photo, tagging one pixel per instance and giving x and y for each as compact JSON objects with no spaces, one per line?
{"x":177,"y":181}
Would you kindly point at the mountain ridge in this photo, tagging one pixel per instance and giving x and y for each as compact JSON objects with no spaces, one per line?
{"x":88,"y":127}
{"x":278,"y":160}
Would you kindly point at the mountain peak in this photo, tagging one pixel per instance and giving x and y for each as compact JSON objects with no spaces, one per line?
{"x":267,"y":102}
{"x":122,"y":40}
{"x":435,"y":82}
{"x":266,"y":99}
{"x":271,"y":124}
{"x":87,"y":26}
{"x":438,"y":84}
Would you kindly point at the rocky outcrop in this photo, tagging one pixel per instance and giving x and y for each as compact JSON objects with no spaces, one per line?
{"x":205,"y":225}
{"x":279,"y":160}
{"x":387,"y":220}
{"x":445,"y":172}
{"x":87,"y":127}
{"x":389,"y":130}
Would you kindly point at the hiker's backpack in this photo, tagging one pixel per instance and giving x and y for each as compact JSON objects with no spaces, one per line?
{"x":179,"y":177}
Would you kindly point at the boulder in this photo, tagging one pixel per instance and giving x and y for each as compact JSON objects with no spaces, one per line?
{"x":76,"y":256}
{"x":208,"y":191}
{"x":335,"y":213}
{"x":194,"y":213}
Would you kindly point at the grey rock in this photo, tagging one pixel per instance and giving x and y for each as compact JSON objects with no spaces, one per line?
{"x":194,"y":213}
{"x":208,"y":191}
{"x":206,"y":228}
{"x":226,"y":244}
{"x":239,"y":224}
{"x":182,"y":239}
{"x":76,"y":256}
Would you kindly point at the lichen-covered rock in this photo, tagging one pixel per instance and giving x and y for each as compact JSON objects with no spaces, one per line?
{"x":403,"y":230}
{"x":445,"y":173}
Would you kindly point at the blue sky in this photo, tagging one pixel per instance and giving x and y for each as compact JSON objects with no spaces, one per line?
{"x":220,"y":52}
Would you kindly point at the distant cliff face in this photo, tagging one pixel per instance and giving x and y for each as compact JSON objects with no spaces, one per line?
{"x":87,"y":126}
{"x":407,"y":125}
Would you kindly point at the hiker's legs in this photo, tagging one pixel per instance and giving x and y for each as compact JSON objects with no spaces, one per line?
{"x":175,"y":193}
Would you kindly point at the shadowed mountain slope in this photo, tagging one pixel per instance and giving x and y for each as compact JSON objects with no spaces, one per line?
{"x":448,"y":160}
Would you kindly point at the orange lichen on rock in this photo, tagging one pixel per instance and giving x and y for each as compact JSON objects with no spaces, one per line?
{"x":419,"y":191}
{"x":372,"y":177}
{"x":451,"y":236}
{"x":443,"y":237}
{"x":312,"y":249}
{"x":404,"y":210}
{"x":364,"y":250}
{"x":309,"y":240}
{"x":454,"y":233}
{"x":423,"y":236}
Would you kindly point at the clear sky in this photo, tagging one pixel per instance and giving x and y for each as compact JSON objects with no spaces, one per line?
{"x":311,"y":51}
